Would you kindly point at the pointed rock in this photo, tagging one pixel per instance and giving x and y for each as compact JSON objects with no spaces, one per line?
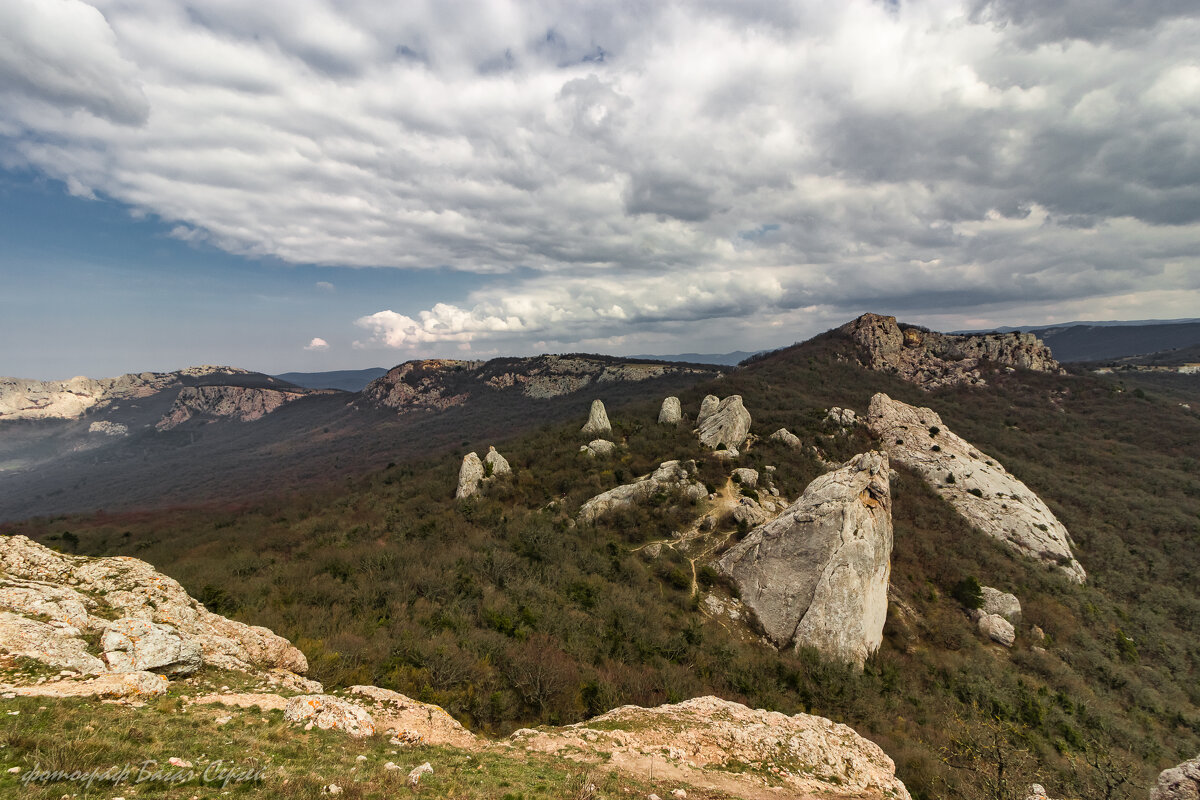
{"x":470,"y":476}
{"x":976,"y":484}
{"x":597,"y":424}
{"x":671,"y":412}
{"x":707,"y":406}
{"x":728,"y":423}
{"x":817,"y":575}
{"x":495,"y":464}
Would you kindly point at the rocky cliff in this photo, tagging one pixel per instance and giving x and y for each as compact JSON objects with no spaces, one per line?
{"x":930,"y":359}
{"x":239,"y":403}
{"x":29,"y":399}
{"x":440,"y":383}
{"x":977,"y":485}
{"x":817,"y":575}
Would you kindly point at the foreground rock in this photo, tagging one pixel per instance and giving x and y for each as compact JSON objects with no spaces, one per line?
{"x":329,"y":713}
{"x":1178,"y":783}
{"x":671,"y":412}
{"x":930,"y":359}
{"x":597,"y":423}
{"x":723,"y":422}
{"x":77,"y":596}
{"x":126,"y":684}
{"x":412,"y":721}
{"x":138,"y":645}
{"x":817,"y":575}
{"x":978,"y":486}
{"x":708,"y":743}
{"x":671,"y":476}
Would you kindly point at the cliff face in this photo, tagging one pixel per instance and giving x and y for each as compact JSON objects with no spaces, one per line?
{"x":930,"y":359}
{"x":29,"y":399}
{"x":226,"y":402}
{"x":437,"y":384}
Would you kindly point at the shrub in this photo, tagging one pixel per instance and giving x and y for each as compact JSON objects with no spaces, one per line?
{"x":968,"y":592}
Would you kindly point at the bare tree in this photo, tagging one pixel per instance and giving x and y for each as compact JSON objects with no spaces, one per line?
{"x":988,"y":755}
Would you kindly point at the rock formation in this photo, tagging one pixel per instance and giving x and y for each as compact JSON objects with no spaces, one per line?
{"x":75,"y":597}
{"x":329,"y":713}
{"x":1178,"y":783}
{"x":786,"y":438}
{"x":931,"y":359}
{"x":671,"y":412}
{"x":986,"y":494}
{"x":994,"y":626}
{"x":744,"y":476}
{"x":1001,"y":604}
{"x":441,"y":383}
{"x":842,"y":417}
{"x":817,"y":575}
{"x":28,"y":399}
{"x":108,"y":428}
{"x":708,"y":741}
{"x":671,"y":476}
{"x":226,"y":402}
{"x":598,"y":448}
{"x":470,"y":476}
{"x":725,"y":422}
{"x":495,"y":464}
{"x":597,"y":422}
{"x":138,"y":645}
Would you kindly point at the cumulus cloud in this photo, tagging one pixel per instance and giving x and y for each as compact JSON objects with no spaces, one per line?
{"x":317,"y":344}
{"x":603,"y":170}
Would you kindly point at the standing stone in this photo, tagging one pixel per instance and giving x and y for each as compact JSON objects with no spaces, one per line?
{"x":470,"y":476}
{"x":728,"y":424}
{"x":817,"y":575}
{"x":1178,"y":783}
{"x":707,"y":407}
{"x":671,"y":412}
{"x":496,"y":464}
{"x":597,"y":424}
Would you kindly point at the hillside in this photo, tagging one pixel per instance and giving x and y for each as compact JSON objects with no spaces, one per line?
{"x":507,"y":612}
{"x":1105,"y":342}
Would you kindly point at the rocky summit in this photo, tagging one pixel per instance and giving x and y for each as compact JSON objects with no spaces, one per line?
{"x":240,"y":403}
{"x":977,"y":485}
{"x":817,"y":575}
{"x":931,"y":360}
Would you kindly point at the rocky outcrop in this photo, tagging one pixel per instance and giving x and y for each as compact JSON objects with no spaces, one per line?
{"x":414,"y":722}
{"x":817,"y":575}
{"x":723,"y":423}
{"x":842,"y":417}
{"x":138,"y":645}
{"x":226,"y":402}
{"x":441,"y":383}
{"x":495,"y":465}
{"x":707,"y":742}
{"x":112,"y":684}
{"x":69,"y":399}
{"x":108,"y":428}
{"x":1178,"y":783}
{"x":329,"y":713}
{"x":597,"y":423}
{"x":1001,"y":604}
{"x":786,"y":438}
{"x":671,"y":412}
{"x":598,"y":448}
{"x":77,"y":596}
{"x":930,"y":359}
{"x":60,"y":646}
{"x":671,"y":476}
{"x":746,"y":477}
{"x":977,"y":485}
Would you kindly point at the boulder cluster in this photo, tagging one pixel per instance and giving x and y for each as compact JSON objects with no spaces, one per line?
{"x":474,"y":472}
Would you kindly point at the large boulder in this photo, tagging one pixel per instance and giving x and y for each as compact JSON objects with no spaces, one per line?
{"x":138,"y":645}
{"x":1178,"y":783}
{"x":976,"y":484}
{"x":495,"y":464}
{"x":129,"y":587}
{"x":817,"y":575}
{"x":670,"y":476}
{"x":671,"y":412}
{"x":470,"y":477}
{"x":597,"y":423}
{"x":1001,"y":604}
{"x":329,"y":713}
{"x":995,"y":627}
{"x":598,"y":448}
{"x":786,"y":438}
{"x":728,"y":423}
{"x":745,"y":476}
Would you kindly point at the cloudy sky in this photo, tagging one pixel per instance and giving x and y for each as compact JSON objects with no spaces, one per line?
{"x":313,"y":184}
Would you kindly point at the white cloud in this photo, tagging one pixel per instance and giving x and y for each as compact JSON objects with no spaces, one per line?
{"x":636,"y":169}
{"x":317,"y":344}
{"x":325,"y":286}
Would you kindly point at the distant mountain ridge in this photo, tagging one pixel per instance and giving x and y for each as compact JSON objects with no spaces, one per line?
{"x":1112,"y":339}
{"x":348,"y":380}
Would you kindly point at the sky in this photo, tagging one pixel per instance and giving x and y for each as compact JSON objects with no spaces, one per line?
{"x":312,"y":185}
